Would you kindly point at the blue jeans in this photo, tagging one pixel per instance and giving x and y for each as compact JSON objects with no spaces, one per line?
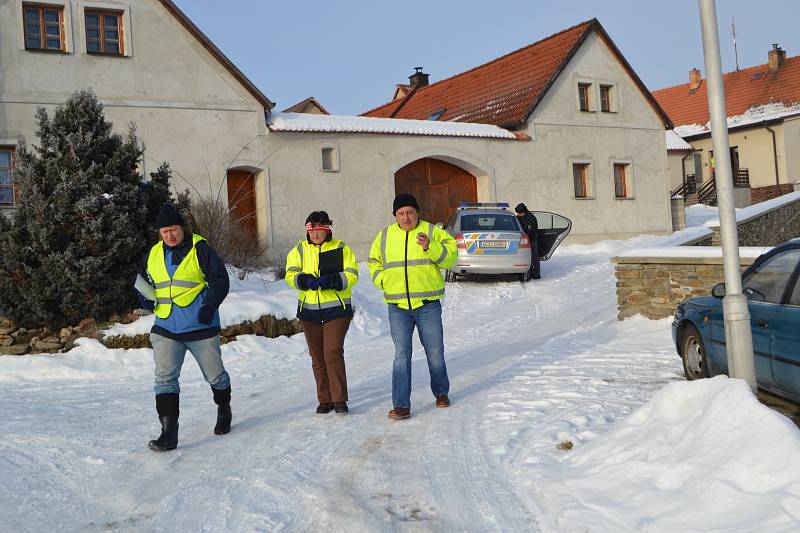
{"x":428,"y":319}
{"x":169,"y":354}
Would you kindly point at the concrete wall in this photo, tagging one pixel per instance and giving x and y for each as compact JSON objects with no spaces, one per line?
{"x":675,"y":168}
{"x":189,"y":110}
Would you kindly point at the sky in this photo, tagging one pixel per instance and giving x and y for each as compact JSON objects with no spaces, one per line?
{"x":350,"y":54}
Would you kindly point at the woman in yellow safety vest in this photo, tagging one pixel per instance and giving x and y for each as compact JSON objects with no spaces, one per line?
{"x":324,"y":270}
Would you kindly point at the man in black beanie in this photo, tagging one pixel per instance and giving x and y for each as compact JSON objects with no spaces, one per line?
{"x":406,"y":262}
{"x":531,"y":228}
{"x":190,"y":282}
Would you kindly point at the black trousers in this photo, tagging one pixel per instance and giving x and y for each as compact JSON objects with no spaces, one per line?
{"x":535,"y":270}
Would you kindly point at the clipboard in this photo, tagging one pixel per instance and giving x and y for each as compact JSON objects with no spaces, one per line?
{"x":145,"y":288}
{"x":331,"y":262}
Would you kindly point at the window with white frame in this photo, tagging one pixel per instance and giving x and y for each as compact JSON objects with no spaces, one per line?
{"x":8,"y":193}
{"x":330,"y":159}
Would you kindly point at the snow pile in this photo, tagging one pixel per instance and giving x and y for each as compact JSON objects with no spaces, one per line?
{"x":699,"y":456}
{"x":306,"y":122}
{"x":754,"y":115}
{"x":676,"y":142}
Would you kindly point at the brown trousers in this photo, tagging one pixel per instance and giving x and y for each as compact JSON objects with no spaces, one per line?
{"x":326,"y":347}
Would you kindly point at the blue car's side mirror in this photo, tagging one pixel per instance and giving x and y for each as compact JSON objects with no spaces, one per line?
{"x":718,"y":291}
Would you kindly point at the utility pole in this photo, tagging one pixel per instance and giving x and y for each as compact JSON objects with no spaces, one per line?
{"x":738,"y":337}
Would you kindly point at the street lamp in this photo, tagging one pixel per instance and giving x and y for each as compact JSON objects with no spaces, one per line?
{"x":738,"y":337}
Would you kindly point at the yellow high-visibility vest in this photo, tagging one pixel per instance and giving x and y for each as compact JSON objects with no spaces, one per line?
{"x":304,"y":259}
{"x":183,"y":287}
{"x":406,"y":273}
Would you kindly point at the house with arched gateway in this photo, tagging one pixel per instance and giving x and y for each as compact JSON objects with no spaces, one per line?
{"x":563,"y":124}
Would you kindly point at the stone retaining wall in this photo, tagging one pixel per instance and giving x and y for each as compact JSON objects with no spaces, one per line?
{"x":767,"y":229}
{"x":654,"y":286}
{"x":265,"y":326}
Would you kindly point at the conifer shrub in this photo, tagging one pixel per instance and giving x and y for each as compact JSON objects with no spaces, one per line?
{"x":83,"y":221}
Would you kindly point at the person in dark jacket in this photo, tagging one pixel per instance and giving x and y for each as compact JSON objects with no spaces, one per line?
{"x":190,"y":282}
{"x":324,"y":306}
{"x":531,"y":228}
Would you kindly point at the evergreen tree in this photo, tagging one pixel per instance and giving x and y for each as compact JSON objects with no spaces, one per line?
{"x":83,"y":221}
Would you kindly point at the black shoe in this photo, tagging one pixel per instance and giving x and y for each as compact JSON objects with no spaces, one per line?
{"x":224,"y":417}
{"x":341,"y":407}
{"x":324,"y":408}
{"x":169,"y":435}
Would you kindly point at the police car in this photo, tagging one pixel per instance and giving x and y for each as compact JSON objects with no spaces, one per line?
{"x":490,"y":239}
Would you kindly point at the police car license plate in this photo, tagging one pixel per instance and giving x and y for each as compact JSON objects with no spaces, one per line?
{"x":492,"y":244}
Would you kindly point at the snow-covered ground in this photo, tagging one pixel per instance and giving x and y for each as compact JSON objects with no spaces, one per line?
{"x":531,"y":366}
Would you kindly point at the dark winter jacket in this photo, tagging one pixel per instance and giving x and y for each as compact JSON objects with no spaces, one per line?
{"x":529,"y":225}
{"x":185,"y":326}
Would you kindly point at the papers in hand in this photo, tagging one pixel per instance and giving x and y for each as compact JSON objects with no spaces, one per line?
{"x":146,"y":290}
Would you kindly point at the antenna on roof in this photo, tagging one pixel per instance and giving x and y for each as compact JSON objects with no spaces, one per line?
{"x":735,"y":50}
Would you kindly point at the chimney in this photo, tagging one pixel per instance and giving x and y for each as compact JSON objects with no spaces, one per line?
{"x":694,"y":80}
{"x":776,"y":57}
{"x":419,"y":78}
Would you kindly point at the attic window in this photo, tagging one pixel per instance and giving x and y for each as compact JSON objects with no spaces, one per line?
{"x":583,"y":96}
{"x":436,"y":114}
{"x":104,"y":32}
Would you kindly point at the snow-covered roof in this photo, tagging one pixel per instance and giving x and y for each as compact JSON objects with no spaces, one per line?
{"x":754,"y":115}
{"x":675,"y":142}
{"x":303,"y":122}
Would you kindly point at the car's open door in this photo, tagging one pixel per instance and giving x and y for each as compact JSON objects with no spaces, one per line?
{"x":552,"y":230}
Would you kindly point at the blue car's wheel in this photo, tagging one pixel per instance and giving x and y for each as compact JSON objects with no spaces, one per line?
{"x":693,"y":354}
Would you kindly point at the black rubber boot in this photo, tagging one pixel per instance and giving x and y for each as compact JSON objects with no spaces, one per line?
{"x":167,"y":406}
{"x":169,"y":435}
{"x":224,"y":415}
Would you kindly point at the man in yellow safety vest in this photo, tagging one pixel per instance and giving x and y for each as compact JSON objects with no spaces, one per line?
{"x":190,"y":282}
{"x":406,"y":262}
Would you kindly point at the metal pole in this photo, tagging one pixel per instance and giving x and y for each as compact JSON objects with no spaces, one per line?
{"x":738,"y":337}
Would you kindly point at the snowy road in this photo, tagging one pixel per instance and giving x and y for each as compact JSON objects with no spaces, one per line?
{"x":530,"y":365}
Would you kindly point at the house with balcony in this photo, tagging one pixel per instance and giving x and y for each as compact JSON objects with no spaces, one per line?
{"x":763,"y":107}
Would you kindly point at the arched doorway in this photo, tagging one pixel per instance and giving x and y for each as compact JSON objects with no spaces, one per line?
{"x":242,"y":200}
{"x":438,"y":186}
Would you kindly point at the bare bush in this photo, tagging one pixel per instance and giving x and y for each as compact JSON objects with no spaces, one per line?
{"x":211,"y":218}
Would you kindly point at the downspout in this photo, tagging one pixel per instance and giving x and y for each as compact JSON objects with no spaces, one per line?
{"x":683,"y":171}
{"x":774,"y":157}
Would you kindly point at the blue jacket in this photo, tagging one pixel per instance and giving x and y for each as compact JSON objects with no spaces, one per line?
{"x":182,"y":323}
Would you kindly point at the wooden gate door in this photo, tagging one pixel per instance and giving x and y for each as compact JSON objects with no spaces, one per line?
{"x":242,"y":200}
{"x":438,"y":186}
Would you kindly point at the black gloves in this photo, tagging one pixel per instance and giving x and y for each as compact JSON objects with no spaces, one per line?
{"x":330,"y":281}
{"x":307,"y":282}
{"x":205,"y":315}
{"x":304,"y":282}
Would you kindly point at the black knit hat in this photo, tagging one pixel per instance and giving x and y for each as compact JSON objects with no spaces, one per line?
{"x":169,"y":216}
{"x":521,"y":208}
{"x":404,"y":200}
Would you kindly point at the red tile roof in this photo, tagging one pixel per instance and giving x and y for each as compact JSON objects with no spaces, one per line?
{"x":505,"y":91}
{"x":744,"y":89}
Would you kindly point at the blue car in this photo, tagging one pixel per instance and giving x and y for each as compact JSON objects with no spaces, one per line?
{"x":773,"y":294}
